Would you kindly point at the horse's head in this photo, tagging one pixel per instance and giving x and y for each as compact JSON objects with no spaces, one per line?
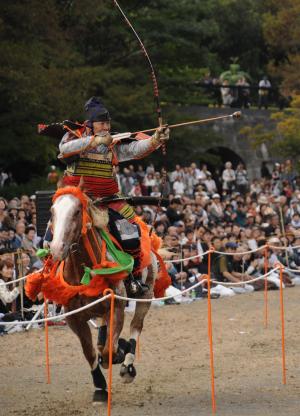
{"x":67,"y":221}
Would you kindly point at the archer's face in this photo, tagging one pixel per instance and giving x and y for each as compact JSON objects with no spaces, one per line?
{"x":101,"y":127}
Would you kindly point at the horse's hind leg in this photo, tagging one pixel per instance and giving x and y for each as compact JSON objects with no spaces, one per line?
{"x":128,"y":371}
{"x":83,"y":331}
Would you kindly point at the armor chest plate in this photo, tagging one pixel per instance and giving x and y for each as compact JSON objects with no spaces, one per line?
{"x":92,"y":164}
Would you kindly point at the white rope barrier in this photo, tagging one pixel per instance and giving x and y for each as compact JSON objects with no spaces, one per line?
{"x":240,"y":253}
{"x":65,"y":315}
{"x":197,"y":256}
{"x":16,"y":280}
{"x":246,"y":281}
{"x":233,"y":254}
{"x":58,"y":317}
{"x":291,"y":270}
{"x":187,"y":258}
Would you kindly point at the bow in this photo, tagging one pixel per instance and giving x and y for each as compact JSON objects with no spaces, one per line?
{"x":153,"y":75}
{"x":156,"y":98}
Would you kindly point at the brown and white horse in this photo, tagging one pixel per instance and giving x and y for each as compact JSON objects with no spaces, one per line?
{"x":69,"y":218}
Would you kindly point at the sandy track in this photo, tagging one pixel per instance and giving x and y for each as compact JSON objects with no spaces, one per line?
{"x":173,"y":372}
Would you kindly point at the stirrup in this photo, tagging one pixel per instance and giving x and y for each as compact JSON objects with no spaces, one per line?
{"x":137,"y":288}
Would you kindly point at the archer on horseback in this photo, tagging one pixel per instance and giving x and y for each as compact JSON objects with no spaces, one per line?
{"x":91,"y":154}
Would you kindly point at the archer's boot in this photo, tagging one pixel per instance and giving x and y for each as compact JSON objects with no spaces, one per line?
{"x":135,"y":287}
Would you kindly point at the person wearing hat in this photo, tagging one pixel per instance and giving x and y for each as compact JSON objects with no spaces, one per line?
{"x":91,"y":154}
{"x":216,"y":212}
{"x":227,"y":267}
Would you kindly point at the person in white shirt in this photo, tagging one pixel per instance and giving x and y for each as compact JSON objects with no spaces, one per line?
{"x":263,"y":92}
{"x":7,"y":296}
{"x":210,"y":184}
{"x":179,"y":186}
{"x":228,"y":177}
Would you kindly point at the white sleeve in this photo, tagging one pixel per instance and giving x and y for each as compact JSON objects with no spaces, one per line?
{"x":6,"y":295}
{"x":71,"y":146}
{"x":134,"y":150}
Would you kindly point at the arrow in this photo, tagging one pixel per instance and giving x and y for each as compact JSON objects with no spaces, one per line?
{"x":235,"y":115}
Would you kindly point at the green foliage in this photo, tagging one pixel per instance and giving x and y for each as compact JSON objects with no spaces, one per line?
{"x":54,"y":55}
{"x":258,"y":135}
{"x":281,"y":27}
{"x":284,"y":139}
{"x":288,"y":130}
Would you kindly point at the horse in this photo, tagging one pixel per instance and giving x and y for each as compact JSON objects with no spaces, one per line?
{"x":77,"y":244}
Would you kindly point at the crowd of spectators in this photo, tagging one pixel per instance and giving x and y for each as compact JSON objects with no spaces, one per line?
{"x":221,"y":209}
{"x":225,"y":210}
{"x":18,"y":245}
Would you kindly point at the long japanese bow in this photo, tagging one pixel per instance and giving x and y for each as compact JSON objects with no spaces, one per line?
{"x":153,"y":75}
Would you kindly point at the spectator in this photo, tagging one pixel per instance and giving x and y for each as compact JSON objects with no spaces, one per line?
{"x":7,"y":295}
{"x":178,"y":186}
{"x":178,"y":172}
{"x":29,"y":244}
{"x":20,"y":233}
{"x":265,"y":173}
{"x":226,"y":93}
{"x":228,"y":268}
{"x":5,"y":220}
{"x":243,"y":93}
{"x":126,"y":182}
{"x":210,"y":184}
{"x":241,"y":179}
{"x":173,"y":212}
{"x":263,"y":92}
{"x":53,"y":175}
{"x":216,"y":213}
{"x":149,"y":182}
{"x":228,"y":177}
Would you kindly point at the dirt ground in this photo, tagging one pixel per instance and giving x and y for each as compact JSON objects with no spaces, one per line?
{"x":173,"y":369}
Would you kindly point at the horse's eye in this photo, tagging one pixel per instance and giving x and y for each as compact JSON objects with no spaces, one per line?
{"x":77,"y":212}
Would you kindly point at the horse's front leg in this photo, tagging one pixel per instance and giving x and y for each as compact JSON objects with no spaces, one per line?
{"x":118,"y":322}
{"x":83,"y":331}
{"x":128,"y":371}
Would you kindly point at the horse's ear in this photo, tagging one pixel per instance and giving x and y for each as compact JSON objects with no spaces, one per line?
{"x":81,"y":183}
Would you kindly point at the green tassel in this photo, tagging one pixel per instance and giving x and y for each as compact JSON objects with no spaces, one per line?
{"x":86,"y":278}
{"x":42,"y":252}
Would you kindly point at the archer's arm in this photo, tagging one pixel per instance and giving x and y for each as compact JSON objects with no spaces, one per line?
{"x":141,"y":148}
{"x":70,"y":145}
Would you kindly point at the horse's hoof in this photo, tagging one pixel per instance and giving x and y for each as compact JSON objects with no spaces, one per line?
{"x":100,"y":396}
{"x":127,"y":373}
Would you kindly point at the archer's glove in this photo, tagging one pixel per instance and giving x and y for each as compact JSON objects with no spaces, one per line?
{"x":102,"y":139}
{"x":161,"y":136}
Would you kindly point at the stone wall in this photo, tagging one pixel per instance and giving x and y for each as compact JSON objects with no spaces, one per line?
{"x":228,"y":135}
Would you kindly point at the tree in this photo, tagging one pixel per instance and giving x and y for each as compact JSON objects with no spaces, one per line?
{"x":288,"y":131}
{"x":54,"y":55}
{"x":281,"y":26}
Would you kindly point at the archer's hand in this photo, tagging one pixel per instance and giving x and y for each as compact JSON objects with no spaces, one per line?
{"x":161,"y":136}
{"x":102,"y":139}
